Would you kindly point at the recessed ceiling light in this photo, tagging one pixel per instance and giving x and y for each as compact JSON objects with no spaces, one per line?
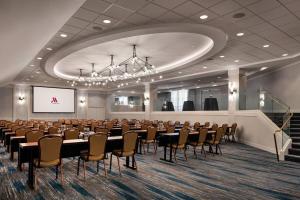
{"x":152,"y":80}
{"x":239,"y":34}
{"x":263,"y":68}
{"x":31,"y":65}
{"x":285,"y":54}
{"x":160,"y":77}
{"x":237,"y":61}
{"x":126,"y":83}
{"x":63,"y":35}
{"x":214,"y":85}
{"x":38,"y":72}
{"x":31,"y":76}
{"x":39,"y":58}
{"x":204,"y":67}
{"x":219,"y":77}
{"x":197,"y":87}
{"x":45,"y":81}
{"x":179,"y":72}
{"x":49,"y":49}
{"x":199,"y":80}
{"x":27,"y":79}
{"x":203,"y":17}
{"x":222,"y":56}
{"x":106,"y":21}
{"x":266,"y":45}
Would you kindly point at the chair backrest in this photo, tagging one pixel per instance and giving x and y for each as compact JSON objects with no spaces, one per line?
{"x":49,"y":148}
{"x":68,"y":122}
{"x":186,"y":123}
{"x":71,"y":134}
{"x":214,"y":127}
{"x":196,"y":125}
{"x":42,"y":127}
{"x":101,"y":130}
{"x":202,"y":135}
{"x":109,"y":125}
{"x":33,"y":136}
{"x":125,"y":128}
{"x":144,"y":126}
{"x":57,"y":124}
{"x":233,"y":128}
{"x":218,"y":135}
{"x":129,"y":141}
{"x":183,"y":136}
{"x":206,"y":125}
{"x":53,"y":130}
{"x":62,"y":121}
{"x":171,"y":129}
{"x":224,"y":126}
{"x":97,"y":143}
{"x":22,"y":131}
{"x":151,"y":133}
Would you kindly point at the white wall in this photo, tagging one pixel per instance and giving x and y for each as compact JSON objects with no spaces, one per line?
{"x":283,"y":84}
{"x":6,"y":104}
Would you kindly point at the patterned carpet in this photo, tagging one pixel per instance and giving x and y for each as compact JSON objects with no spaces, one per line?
{"x":242,"y":172}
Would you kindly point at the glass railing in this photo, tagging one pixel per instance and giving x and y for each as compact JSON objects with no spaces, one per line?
{"x":280,"y":113}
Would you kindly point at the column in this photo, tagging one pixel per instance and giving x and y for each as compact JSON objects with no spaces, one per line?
{"x":233,"y":90}
{"x":21,"y":102}
{"x":82,"y":104}
{"x":147,"y":101}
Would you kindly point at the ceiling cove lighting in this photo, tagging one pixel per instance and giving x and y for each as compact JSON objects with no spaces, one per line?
{"x":263,"y":68}
{"x":240,"y":34}
{"x":49,"y":49}
{"x":63,"y":35}
{"x":203,"y":17}
{"x":106,"y":21}
{"x":237,"y":61}
{"x":266,"y":46}
{"x":204,"y":67}
{"x":39,"y":58}
{"x":221,"y":56}
{"x":285,"y":54}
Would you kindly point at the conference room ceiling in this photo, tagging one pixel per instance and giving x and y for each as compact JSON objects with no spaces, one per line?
{"x":271,"y":30}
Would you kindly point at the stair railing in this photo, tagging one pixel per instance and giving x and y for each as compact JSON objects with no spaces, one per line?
{"x":271,"y":105}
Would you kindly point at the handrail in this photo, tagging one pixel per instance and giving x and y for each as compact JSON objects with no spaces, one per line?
{"x":280,"y":131}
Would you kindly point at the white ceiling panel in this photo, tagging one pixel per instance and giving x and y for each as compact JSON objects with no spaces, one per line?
{"x":188,"y":9}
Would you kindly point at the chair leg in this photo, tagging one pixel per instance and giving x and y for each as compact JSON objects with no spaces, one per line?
{"x":78,"y":164}
{"x":84,"y":167}
{"x":35,"y":180}
{"x":144,"y":148}
{"x":119,"y":165}
{"x":97,"y":167}
{"x":133,"y":160}
{"x":110,"y":162}
{"x":204,"y":150}
{"x":195,"y":154}
{"x":148,"y":148}
{"x":105,"y":173}
{"x":184,"y":152}
{"x":61,"y":174}
{"x":175,"y":151}
{"x":154,"y":147}
{"x":56,"y":171}
{"x":220,"y":149}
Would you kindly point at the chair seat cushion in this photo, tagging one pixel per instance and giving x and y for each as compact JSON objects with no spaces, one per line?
{"x":46,"y":164}
{"x":148,"y":141}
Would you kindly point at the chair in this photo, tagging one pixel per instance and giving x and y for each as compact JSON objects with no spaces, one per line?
{"x":129,"y":146}
{"x":21,"y":131}
{"x":200,"y":142}
{"x":170,"y":129}
{"x":224,"y":126}
{"x":53,"y":130}
{"x":144,"y":127}
{"x":181,"y":142}
{"x":207,"y":124}
{"x":109,"y":125}
{"x":33,"y":136}
{"x":196,"y":125}
{"x":49,"y":154}
{"x":151,"y":133}
{"x":96,"y":152}
{"x":216,"y":140}
{"x":232,"y":132}
{"x":214,"y":127}
{"x":101,"y":130}
{"x":186,"y":124}
{"x":71,"y":134}
{"x":125,"y":128}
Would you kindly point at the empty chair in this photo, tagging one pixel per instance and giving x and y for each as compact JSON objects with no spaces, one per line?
{"x":200,"y":142}
{"x":170,"y":129}
{"x":21,"y":131}
{"x":225,"y":127}
{"x":207,"y":124}
{"x":33,"y":136}
{"x":150,"y":139}
{"x":216,"y":140}
{"x":186,"y":124}
{"x":96,"y":152}
{"x":53,"y":130}
{"x":214,"y":127}
{"x":181,"y":142}
{"x":101,"y":130}
{"x":144,"y":126}
{"x":129,"y":146}
{"x":232,"y":132}
{"x":196,"y":125}
{"x":125,"y":128}
{"x":109,"y":125}
{"x":177,"y":123}
{"x":49,"y":155}
{"x":71,"y":134}
{"x":42,"y":127}
{"x":68,"y":122}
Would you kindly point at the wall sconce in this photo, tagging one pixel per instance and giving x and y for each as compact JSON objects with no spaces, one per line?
{"x":131,"y":104}
{"x":21,"y":99}
{"x":146,"y":101}
{"x":261,"y":99}
{"x":82,"y":101}
{"x":233,"y":91}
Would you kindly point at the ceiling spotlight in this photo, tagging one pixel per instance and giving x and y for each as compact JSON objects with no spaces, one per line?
{"x":152,"y":80}
{"x":198,"y":87}
{"x":237,"y":61}
{"x":266,"y":45}
{"x":203,"y":17}
{"x":38,"y":72}
{"x":204,"y":67}
{"x":31,"y":65}
{"x":160,"y":77}
{"x":106,"y":21}
{"x":49,"y":49}
{"x":239,"y":34}
{"x":285,"y":54}
{"x":179,"y":72}
{"x":45,"y":81}
{"x":63,"y":35}
{"x":219,"y":77}
{"x":214,"y":85}
{"x":39,"y":58}
{"x":263,"y":68}
{"x":222,"y":56}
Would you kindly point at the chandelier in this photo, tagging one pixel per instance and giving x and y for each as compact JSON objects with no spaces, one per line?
{"x":132,"y":68}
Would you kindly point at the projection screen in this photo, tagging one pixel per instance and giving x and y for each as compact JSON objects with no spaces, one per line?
{"x":53,"y":100}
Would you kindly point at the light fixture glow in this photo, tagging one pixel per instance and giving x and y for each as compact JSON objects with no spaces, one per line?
{"x":263,"y":68}
{"x":237,"y":61}
{"x":240,"y":34}
{"x":203,"y":17}
{"x":106,"y":21}
{"x":221,"y":56}
{"x":179,"y":72}
{"x":39,"y":58}
{"x":204,"y":67}
{"x":63,"y":35}
{"x":160,"y":77}
{"x":285,"y":54}
{"x":266,"y":45}
{"x":49,"y":49}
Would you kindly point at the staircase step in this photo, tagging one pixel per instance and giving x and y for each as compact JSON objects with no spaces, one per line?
{"x":294,"y":134}
{"x":294,"y":152}
{"x":296,"y":145}
{"x":297,"y":130}
{"x":294,"y":125}
{"x":293,"y":158}
{"x":295,"y":139}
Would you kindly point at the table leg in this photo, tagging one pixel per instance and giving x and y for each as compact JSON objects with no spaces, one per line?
{"x":128,"y":163}
{"x":30,"y":180}
{"x":11,"y":155}
{"x":140,"y":146}
{"x":171,"y":152}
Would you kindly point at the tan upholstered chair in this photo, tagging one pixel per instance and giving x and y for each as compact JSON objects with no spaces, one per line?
{"x":224,"y":126}
{"x":49,"y":155}
{"x":42,"y":127}
{"x":207,"y":124}
{"x":150,"y":139}
{"x":34,"y":136}
{"x":144,"y":126}
{"x":125,"y":128}
{"x":53,"y":130}
{"x":129,"y":146}
{"x":217,"y":139}
{"x":181,"y":142}
{"x":170,"y":129}
{"x":177,"y":123}
{"x":214,"y":127}
{"x":186,"y":124}
{"x":109,"y":125}
{"x":232,"y":132}
{"x":21,"y":131}
{"x":96,"y":152}
{"x":71,"y":134}
{"x":200,"y":142}
{"x":196,"y":125}
{"x":101,"y":130}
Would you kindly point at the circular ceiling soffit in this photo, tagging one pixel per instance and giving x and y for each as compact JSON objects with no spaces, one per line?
{"x":169,"y":46}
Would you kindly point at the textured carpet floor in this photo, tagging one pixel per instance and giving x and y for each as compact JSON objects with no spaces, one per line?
{"x":242,"y":172}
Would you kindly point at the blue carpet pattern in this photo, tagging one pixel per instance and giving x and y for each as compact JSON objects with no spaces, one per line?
{"x":242,"y":172}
